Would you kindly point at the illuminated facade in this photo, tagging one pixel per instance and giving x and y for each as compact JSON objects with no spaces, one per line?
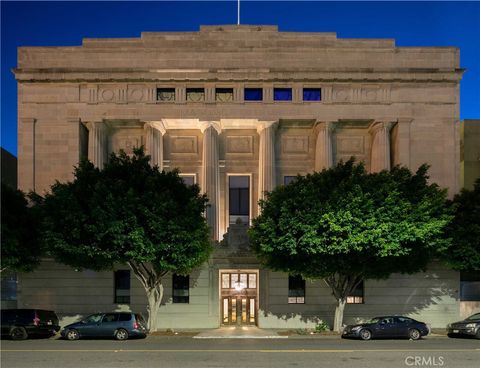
{"x":239,"y":110}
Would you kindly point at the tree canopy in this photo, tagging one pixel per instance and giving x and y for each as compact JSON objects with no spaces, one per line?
{"x":21,"y":250}
{"x":345,"y":225}
{"x":128,"y":213}
{"x":463,"y":254}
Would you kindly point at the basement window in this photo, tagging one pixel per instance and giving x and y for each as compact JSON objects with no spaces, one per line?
{"x":356,"y":296}
{"x":181,"y":288}
{"x":296,"y":290}
{"x":122,"y":286}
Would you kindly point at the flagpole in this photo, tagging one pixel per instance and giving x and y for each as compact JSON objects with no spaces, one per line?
{"x":238,"y":12}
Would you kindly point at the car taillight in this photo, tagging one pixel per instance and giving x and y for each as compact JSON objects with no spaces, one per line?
{"x":135,"y":325}
{"x":36,"y":320}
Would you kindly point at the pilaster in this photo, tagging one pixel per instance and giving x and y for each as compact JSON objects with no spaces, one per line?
{"x":324,"y":146}
{"x":97,"y":143}
{"x":210,"y":181}
{"x":380,"y":157}
{"x":266,"y":159}
{"x":155,"y":131}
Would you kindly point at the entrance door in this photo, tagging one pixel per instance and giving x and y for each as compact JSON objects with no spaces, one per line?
{"x":239,"y":310}
{"x":239,"y":298}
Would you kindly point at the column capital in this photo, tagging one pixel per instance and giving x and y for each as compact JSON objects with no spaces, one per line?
{"x":328,"y":125}
{"x":377,"y":125}
{"x":266,"y":124}
{"x":204,"y":125}
{"x":158,"y":125}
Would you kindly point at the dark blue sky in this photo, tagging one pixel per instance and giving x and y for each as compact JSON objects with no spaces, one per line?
{"x":409,"y":23}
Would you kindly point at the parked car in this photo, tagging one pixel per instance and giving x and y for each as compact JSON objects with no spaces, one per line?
{"x":121,"y":326}
{"x":19,"y":324}
{"x":468,"y":327}
{"x":387,"y":327}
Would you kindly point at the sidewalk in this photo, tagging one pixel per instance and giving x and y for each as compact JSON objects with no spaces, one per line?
{"x":241,"y":332}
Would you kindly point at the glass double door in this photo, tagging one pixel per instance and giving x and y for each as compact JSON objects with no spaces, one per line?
{"x":239,"y":310}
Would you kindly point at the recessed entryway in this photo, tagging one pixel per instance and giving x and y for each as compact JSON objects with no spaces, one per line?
{"x":238,"y":297}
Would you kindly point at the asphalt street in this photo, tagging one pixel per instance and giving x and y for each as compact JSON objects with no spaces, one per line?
{"x":187,"y":352}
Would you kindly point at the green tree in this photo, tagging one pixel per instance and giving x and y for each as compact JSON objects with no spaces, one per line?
{"x":463,"y":254}
{"x":21,"y":250}
{"x":128,"y":213}
{"x":344,"y":225}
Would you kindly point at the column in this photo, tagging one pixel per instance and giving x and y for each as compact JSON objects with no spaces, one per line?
{"x":266,"y":158}
{"x":324,"y":146}
{"x":97,"y":143}
{"x":402,"y":156}
{"x":210,"y":182}
{"x":380,"y":158}
{"x":154,"y":132}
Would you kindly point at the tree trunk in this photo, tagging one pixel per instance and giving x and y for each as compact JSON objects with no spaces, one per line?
{"x":151,"y":281}
{"x":338,"y":322}
{"x":154,"y":296}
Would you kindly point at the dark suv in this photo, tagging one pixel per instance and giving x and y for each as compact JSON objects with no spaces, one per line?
{"x":19,"y":324}
{"x":120,"y":325}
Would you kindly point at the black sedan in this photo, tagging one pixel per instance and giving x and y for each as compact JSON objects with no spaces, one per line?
{"x":468,"y":327}
{"x":387,"y":327}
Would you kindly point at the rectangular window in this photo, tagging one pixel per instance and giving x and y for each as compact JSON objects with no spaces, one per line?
{"x":166,"y":94}
{"x":181,"y":288}
{"x":470,"y":286}
{"x":122,"y":286}
{"x":188,"y":179}
{"x":312,"y":94}
{"x":253,"y":94}
{"x":9,"y":287}
{"x":224,"y":94}
{"x":288,"y":179}
{"x":282,"y":94}
{"x":195,"y":94}
{"x":296,"y":290}
{"x":239,"y":199}
{"x":356,"y":296}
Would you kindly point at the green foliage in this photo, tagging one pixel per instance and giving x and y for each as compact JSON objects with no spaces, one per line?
{"x":127,"y":212}
{"x":322,"y":327}
{"x":20,"y":248}
{"x":344,"y":225}
{"x":464,"y":252}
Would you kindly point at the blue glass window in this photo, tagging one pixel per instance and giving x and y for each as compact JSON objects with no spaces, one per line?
{"x":312,"y":94}
{"x":282,"y":94}
{"x":253,"y":94}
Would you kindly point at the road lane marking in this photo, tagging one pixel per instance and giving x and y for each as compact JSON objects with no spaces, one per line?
{"x":234,"y":350}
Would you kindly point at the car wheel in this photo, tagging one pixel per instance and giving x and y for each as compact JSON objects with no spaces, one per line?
{"x":121,"y":334}
{"x":18,"y":333}
{"x":72,"y":335}
{"x":365,"y":334}
{"x":414,"y":334}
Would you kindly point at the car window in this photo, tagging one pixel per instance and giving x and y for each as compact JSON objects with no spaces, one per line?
{"x":387,"y":320}
{"x":94,"y":318}
{"x":404,"y":320}
{"x":140,"y":318}
{"x":125,"y":317}
{"x":110,"y":317}
{"x":374,"y":320}
{"x":474,"y":317}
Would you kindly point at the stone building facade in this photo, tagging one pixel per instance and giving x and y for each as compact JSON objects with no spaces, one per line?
{"x":239,"y":110}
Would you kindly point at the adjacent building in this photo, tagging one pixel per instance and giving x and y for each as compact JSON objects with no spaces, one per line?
{"x":239,"y":110}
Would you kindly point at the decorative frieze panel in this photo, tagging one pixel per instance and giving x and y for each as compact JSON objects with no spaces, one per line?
{"x":127,"y":140}
{"x":296,"y":144}
{"x":351,"y":145}
{"x":132,"y":93}
{"x":184,"y":144}
{"x":239,"y":144}
{"x":361,"y":94}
